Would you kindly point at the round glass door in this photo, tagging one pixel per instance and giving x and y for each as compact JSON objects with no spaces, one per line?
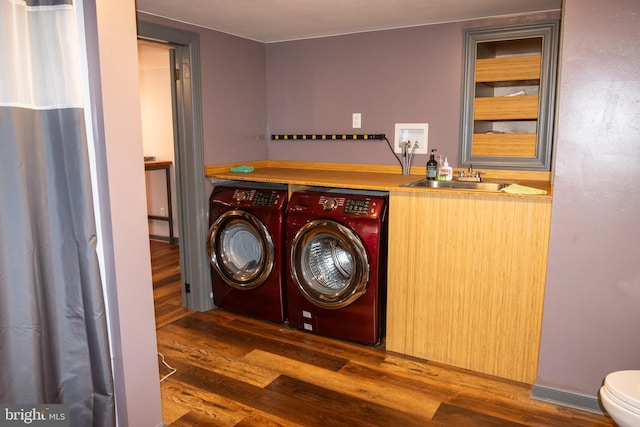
{"x":241,"y":249}
{"x":329,"y":264}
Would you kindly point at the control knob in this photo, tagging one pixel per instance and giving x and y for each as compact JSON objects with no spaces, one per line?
{"x":330,"y":204}
{"x":241,"y":196}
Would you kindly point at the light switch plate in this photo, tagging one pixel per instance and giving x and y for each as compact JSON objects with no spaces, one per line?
{"x":416,"y":133}
{"x":356,"y":120}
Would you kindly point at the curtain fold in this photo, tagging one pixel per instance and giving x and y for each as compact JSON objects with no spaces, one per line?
{"x":54,"y":344}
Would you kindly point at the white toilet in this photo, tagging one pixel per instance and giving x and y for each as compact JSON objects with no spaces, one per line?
{"x":620,"y":396}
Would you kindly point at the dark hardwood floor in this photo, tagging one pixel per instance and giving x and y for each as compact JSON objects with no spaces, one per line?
{"x":167,"y":291}
{"x":237,"y":371}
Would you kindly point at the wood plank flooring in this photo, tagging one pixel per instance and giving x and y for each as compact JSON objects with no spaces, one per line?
{"x":237,"y":371}
{"x":167,"y":286}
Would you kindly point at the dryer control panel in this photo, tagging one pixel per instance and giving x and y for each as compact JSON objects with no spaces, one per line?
{"x":357,"y":206}
{"x":333,"y":205}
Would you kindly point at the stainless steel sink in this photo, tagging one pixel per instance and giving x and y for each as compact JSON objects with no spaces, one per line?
{"x":459,"y":185}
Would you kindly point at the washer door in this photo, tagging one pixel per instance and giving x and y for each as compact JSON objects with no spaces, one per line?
{"x":241,"y":249}
{"x":329,"y":264}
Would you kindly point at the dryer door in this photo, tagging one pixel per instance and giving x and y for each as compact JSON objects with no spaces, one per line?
{"x":241,"y":250}
{"x":329,"y":264}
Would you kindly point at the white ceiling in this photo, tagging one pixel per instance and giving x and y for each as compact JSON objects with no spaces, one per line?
{"x":281,"y":20}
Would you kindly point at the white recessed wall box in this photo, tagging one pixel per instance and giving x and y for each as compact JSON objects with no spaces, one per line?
{"x":416,"y":134}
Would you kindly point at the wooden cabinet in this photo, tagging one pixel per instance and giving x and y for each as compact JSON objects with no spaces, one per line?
{"x":508,"y":97}
{"x":466,"y":279}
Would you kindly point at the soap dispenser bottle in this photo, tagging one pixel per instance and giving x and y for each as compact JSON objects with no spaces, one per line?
{"x":432,"y":166}
{"x":446,"y":170}
{"x":439,"y":176}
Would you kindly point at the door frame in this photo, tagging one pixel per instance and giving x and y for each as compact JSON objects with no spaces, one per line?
{"x":189,"y":162}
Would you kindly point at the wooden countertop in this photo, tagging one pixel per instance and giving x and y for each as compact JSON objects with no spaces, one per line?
{"x":157,"y":164}
{"x":365,"y":177}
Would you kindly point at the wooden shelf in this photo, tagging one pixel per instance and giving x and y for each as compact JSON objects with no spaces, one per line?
{"x":506,"y":108}
{"x":508,"y":68}
{"x":504,"y":144}
{"x":508,"y":96}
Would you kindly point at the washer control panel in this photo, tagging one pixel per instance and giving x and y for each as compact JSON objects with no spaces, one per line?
{"x":265,"y":198}
{"x":244,"y":197}
{"x":255,"y":197}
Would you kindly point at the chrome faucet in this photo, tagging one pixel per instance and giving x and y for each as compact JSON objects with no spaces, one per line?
{"x":472,"y":176}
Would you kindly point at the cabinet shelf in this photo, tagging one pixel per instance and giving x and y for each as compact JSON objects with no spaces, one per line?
{"x":506,"y":108}
{"x":509,"y":88}
{"x":504,"y":144}
{"x":509,"y":69}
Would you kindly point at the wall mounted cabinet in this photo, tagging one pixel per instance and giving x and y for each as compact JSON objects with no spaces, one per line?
{"x":509,"y":96}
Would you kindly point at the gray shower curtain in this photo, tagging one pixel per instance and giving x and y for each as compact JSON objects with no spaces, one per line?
{"x":54,"y":345}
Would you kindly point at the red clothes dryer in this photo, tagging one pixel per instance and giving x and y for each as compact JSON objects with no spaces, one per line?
{"x":336,"y":274}
{"x":246,"y":249}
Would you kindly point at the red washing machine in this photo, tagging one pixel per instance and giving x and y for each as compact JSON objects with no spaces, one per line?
{"x":246,"y":249}
{"x":336,"y":275}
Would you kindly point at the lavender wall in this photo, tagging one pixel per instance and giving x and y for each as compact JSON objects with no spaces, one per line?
{"x":591,"y":320}
{"x":313,"y":86}
{"x":411,"y":75}
{"x":124,"y":246}
{"x":233,"y":94}
{"x":401,"y":76}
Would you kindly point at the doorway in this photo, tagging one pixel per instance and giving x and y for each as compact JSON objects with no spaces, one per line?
{"x":158,"y":124}
{"x":155,"y":73}
{"x":190,"y":182}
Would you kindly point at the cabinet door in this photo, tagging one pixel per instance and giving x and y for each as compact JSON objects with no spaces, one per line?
{"x":466,"y":287}
{"x":508,"y":97}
